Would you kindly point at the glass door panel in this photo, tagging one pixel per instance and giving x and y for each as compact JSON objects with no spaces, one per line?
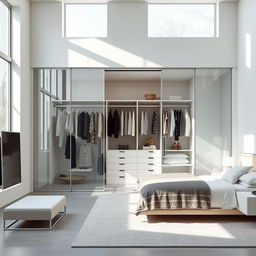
{"x":213,"y":106}
{"x":87,"y":130}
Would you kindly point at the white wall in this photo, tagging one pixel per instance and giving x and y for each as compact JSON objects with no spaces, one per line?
{"x":21,"y":97}
{"x":247,"y":76}
{"x":127,"y":44}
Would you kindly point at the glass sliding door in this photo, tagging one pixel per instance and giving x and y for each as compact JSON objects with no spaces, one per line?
{"x":87,"y":139}
{"x":213,"y":116}
{"x":52,"y":103}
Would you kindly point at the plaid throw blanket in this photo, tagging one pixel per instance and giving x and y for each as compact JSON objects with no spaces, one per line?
{"x":164,"y":195}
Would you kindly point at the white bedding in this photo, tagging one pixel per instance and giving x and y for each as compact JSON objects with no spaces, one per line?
{"x":223,"y":194}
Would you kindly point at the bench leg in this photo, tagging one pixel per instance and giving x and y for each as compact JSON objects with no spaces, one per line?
{"x":51,"y":225}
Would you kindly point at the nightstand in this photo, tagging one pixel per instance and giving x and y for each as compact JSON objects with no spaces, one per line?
{"x":246,"y":203}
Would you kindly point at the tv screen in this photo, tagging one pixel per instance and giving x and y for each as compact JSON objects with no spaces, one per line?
{"x":11,"y":164}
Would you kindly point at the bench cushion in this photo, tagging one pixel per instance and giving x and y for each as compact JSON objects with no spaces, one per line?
{"x":35,"y":208}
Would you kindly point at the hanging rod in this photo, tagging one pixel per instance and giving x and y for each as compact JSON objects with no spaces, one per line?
{"x":80,"y":106}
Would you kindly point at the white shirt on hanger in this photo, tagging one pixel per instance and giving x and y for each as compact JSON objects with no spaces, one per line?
{"x":60,"y":127}
{"x":133,"y":123}
{"x":122,"y":124}
{"x":188,"y":124}
{"x":172,"y":123}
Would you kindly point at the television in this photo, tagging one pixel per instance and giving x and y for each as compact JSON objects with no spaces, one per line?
{"x":11,"y":163}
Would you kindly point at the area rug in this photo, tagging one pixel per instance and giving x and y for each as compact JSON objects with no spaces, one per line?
{"x":112,"y":223}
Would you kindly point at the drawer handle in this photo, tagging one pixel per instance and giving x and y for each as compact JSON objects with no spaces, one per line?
{"x":121,"y":151}
{"x":121,"y":170}
{"x":150,"y":164}
{"x":151,"y":151}
{"x":121,"y":177}
{"x":121,"y":163}
{"x":150,"y":170}
{"x":151,"y":157}
{"x":121,"y":157}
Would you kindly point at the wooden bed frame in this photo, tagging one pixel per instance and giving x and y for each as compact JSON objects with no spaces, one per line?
{"x":244,"y":159}
{"x":192,"y":212}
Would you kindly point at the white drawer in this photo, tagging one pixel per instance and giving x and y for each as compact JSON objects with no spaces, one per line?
{"x":149,"y":166}
{"x":149,"y":161}
{"x":120,"y":171}
{"x":118,"y":153}
{"x":126,"y":166}
{"x":148,"y":153}
{"x":121,"y":160}
{"x":122,"y":179}
{"x":149,"y":171}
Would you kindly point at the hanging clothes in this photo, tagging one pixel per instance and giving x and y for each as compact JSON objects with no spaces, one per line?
{"x":129,"y":132}
{"x":70,"y":125}
{"x":177,"y":117}
{"x":116,"y":124}
{"x":87,"y":121}
{"x":165,"y":122}
{"x":100,"y":125}
{"x":154,"y":129}
{"x":92,"y":129}
{"x":172,"y":123}
{"x":110,"y":124}
{"x":76,"y":124}
{"x":126,"y":120}
{"x":144,"y":123}
{"x":133,"y":123}
{"x":188,"y":124}
{"x":85,"y":156}
{"x":182,"y":123}
{"x":80,"y":125}
{"x":122,"y":124}
{"x":60,"y":127}
{"x":96,"y":124}
{"x":70,"y":150}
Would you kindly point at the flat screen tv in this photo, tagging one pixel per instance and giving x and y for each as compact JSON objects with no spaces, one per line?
{"x":11,"y":163}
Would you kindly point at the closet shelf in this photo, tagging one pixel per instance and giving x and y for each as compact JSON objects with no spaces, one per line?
{"x":177,"y":101}
{"x":75,"y":102}
{"x":178,"y":150}
{"x":176,"y":165}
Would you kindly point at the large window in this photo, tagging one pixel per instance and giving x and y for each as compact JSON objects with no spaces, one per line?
{"x":181,"y":20}
{"x":85,"y":20}
{"x":49,"y":91}
{"x":5,"y":66}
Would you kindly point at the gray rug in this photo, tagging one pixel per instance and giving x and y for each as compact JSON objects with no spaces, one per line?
{"x":112,"y":223}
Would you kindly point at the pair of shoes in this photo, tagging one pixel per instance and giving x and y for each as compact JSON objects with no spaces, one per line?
{"x":176,"y":146}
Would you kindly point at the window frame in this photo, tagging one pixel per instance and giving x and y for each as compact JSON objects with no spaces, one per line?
{"x":185,"y":3}
{"x":44,"y":146}
{"x":8,"y":60}
{"x":64,"y":19}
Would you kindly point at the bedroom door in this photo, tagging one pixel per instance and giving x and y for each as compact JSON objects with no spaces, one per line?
{"x":213,"y":119}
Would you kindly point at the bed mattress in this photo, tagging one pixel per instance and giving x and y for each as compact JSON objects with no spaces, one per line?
{"x":223,"y":194}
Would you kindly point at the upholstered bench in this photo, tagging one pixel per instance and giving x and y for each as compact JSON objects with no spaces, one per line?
{"x":38,"y":207}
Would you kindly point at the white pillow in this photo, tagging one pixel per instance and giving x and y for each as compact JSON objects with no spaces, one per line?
{"x":246,"y":185}
{"x":232,"y":175}
{"x":176,"y":161}
{"x":249,"y":178}
{"x":174,"y":156}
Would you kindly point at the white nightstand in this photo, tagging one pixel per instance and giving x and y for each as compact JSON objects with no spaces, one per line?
{"x":246,"y":203}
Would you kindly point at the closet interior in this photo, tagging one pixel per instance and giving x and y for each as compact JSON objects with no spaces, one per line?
{"x":96,"y":128}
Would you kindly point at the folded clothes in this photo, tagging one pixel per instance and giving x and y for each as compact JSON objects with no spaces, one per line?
{"x":175,"y":156}
{"x":176,"y":161}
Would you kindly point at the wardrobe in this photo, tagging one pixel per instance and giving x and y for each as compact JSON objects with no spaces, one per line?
{"x":185,"y":127}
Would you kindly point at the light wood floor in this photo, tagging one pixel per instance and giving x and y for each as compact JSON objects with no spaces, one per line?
{"x":58,"y":241}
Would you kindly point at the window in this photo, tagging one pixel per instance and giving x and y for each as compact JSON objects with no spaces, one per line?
{"x":48,"y":80}
{"x":85,"y":20}
{"x":181,"y":20}
{"x":5,"y":66}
